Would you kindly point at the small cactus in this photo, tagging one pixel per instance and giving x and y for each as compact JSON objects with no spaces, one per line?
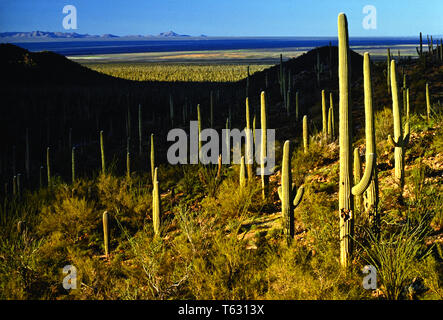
{"x":152,"y":159}
{"x":305,"y":134}
{"x":289,"y":197}
{"x":428,"y":104}
{"x":140,"y":130}
{"x":242,"y":173}
{"x":106,"y":233}
{"x":102,"y":150}
{"x":48,"y":166}
{"x":156,"y":208}
{"x":128,"y":165}
{"x":73,"y":164}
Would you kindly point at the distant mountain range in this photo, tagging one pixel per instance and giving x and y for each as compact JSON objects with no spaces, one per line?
{"x":44,"y":35}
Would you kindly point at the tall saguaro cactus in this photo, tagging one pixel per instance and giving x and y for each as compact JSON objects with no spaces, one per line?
{"x":249,"y":144}
{"x":156,"y":208}
{"x":140,"y":130}
{"x":346,"y":190}
{"x":102,"y":150}
{"x":152,"y":159}
{"x":264,"y":178}
{"x":388,"y":71}
{"x":331,"y":107}
{"x":323,"y":114}
{"x":400,"y":140}
{"x":371,"y":195}
{"x":290,"y":197}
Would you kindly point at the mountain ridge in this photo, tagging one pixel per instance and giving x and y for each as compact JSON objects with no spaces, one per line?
{"x":73,"y":35}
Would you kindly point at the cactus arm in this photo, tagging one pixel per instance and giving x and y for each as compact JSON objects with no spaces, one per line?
{"x":299,"y":196}
{"x":393,"y":142}
{"x":406,"y":135}
{"x":280,"y":195}
{"x":361,"y":187}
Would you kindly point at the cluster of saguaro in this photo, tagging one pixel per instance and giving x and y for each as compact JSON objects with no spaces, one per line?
{"x":400,"y":140}
{"x":156,"y":208}
{"x":290,"y":197}
{"x":346,"y":190}
{"x":434,"y":54}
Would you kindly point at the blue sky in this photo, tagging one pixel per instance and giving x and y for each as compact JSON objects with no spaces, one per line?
{"x":225,"y":17}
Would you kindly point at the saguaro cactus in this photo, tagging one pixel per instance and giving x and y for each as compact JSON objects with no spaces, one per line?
{"x":199,"y":131}
{"x":264,"y":178}
{"x":357,"y":176}
{"x":371,"y":195}
{"x":212,"y":106}
{"x":289,"y":197}
{"x":400,"y":140}
{"x":323,"y":114}
{"x":346,"y":191}
{"x":428,"y":103}
{"x":156,"y":208}
{"x":388,"y":71}
{"x":242,"y":172}
{"x":128,"y":165}
{"x":171,"y":110}
{"x":27,"y":161}
{"x":140,"y":130}
{"x":331,"y":107}
{"x":305,"y":134}
{"x":288,"y":102}
{"x":249,"y":144}
{"x":73,"y":164}
{"x":102,"y":150}
{"x":48,"y":166}
{"x":297,"y":110}
{"x":152,"y":159}
{"x":106,"y":233}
